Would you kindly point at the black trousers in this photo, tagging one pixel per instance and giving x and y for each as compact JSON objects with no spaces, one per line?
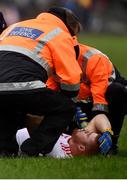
{"x":117,"y":102}
{"x":57,"y":109}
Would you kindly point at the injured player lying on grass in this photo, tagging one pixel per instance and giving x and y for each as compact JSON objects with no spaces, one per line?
{"x":93,"y":138}
{"x":78,"y":144}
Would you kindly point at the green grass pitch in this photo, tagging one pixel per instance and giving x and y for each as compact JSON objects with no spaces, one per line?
{"x":89,"y":167}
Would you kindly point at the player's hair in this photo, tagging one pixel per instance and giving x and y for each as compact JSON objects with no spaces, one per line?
{"x":3,"y":24}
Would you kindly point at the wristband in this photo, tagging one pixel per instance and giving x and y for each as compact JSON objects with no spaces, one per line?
{"x":109,"y":130}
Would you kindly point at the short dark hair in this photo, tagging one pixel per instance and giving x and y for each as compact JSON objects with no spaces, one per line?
{"x":68,"y":17}
{"x":3,"y":24}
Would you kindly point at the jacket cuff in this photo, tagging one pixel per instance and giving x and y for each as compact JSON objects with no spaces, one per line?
{"x":100,"y":107}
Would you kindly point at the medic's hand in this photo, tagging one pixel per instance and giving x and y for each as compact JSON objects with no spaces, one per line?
{"x":105,"y":142}
{"x":81,"y":118}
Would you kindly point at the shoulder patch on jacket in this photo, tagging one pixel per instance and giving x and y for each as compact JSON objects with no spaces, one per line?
{"x":26,"y":32}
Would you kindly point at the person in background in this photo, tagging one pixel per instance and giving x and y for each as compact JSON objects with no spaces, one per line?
{"x":30,"y":52}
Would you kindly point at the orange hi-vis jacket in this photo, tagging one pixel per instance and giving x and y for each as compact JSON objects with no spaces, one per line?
{"x":98,"y":73}
{"x":47,"y":41}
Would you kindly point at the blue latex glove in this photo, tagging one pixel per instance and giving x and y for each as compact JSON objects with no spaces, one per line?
{"x":105,"y":142}
{"x":81,"y":118}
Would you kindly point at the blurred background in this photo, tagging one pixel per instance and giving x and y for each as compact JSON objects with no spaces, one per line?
{"x":104,"y":22}
{"x":95,"y":15}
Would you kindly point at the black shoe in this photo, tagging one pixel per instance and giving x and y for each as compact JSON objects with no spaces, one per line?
{"x":29,"y":148}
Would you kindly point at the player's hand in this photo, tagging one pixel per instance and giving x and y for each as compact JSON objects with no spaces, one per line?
{"x":105,"y":142}
{"x":81,"y":118}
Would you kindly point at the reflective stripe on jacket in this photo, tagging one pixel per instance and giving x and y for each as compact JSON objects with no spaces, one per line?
{"x":48,"y":42}
{"x":98,"y":73}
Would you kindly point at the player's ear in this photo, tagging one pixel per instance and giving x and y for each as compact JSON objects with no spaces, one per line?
{"x":81,"y":147}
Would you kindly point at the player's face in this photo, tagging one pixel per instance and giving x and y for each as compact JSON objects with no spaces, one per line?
{"x":81,"y":136}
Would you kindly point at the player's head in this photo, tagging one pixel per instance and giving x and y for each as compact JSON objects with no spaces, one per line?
{"x":68,"y":17}
{"x":84,"y":143}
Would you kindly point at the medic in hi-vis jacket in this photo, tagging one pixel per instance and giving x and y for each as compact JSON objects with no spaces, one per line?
{"x":30,"y":52}
{"x":102,"y":89}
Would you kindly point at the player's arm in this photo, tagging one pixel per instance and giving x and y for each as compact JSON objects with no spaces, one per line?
{"x":101,"y":124}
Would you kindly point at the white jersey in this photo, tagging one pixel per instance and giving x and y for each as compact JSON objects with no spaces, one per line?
{"x":60,"y":150}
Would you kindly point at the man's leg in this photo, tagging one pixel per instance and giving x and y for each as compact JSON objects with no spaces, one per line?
{"x":8,"y":127}
{"x":57,"y":109}
{"x":116,"y":118}
{"x":58,"y":112}
{"x":117,"y":98}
